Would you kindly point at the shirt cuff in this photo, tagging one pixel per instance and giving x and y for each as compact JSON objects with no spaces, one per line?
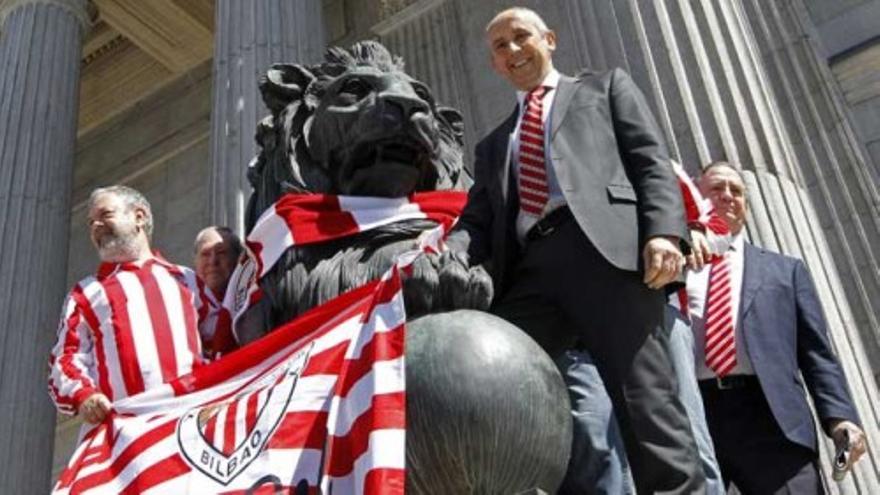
{"x":81,"y":395}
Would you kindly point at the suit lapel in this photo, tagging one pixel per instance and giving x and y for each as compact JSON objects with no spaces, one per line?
{"x":753,"y":271}
{"x":564,"y":92}
{"x":502,"y":153}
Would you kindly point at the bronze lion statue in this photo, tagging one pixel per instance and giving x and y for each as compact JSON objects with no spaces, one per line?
{"x":487,"y":411}
{"x":357,"y":125}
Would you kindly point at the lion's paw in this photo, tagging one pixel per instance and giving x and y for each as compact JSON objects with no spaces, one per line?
{"x":446,"y":282}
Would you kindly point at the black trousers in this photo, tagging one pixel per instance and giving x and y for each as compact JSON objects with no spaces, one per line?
{"x":563,"y":289}
{"x":752,"y":450}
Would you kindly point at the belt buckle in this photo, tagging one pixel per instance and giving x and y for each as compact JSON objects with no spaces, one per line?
{"x":723,"y":384}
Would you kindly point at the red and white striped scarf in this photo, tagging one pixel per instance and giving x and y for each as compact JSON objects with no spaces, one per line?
{"x":302,"y":219}
{"x":698,"y":211}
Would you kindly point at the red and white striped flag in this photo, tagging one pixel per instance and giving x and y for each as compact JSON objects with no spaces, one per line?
{"x":698,"y":211}
{"x":317,"y":406}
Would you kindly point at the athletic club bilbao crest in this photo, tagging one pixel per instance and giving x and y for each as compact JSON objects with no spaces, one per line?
{"x":221,"y":439}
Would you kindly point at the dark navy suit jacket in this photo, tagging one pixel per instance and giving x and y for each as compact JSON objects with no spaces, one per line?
{"x":786,"y":339}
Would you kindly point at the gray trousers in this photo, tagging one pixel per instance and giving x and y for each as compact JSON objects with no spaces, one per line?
{"x":598,"y":460}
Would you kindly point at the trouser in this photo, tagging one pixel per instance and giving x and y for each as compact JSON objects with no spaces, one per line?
{"x":681,"y":352}
{"x":598,"y":463}
{"x":753,"y":452}
{"x":564,"y":289}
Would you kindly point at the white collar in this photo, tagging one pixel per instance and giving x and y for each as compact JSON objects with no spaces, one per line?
{"x":736,"y":242}
{"x":551,"y":81}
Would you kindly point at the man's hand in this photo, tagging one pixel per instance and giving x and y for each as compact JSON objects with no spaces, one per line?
{"x":858,"y":445}
{"x":663,"y":261}
{"x":701,"y":252}
{"x":94,"y":409}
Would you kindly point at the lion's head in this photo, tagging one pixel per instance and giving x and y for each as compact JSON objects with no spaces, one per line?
{"x":355,"y":124}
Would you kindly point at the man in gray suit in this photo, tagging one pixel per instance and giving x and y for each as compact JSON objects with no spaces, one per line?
{"x":578,"y":216}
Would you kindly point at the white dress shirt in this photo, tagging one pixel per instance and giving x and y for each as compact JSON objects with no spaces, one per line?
{"x":524,"y":221}
{"x":697,"y":289}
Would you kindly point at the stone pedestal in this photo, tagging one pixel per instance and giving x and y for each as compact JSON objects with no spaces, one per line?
{"x":250,"y":36}
{"x":39,"y":93}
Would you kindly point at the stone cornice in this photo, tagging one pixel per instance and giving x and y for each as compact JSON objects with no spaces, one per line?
{"x":81,"y":9}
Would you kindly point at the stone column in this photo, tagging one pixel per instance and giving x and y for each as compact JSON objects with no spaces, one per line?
{"x":835,"y":167}
{"x":39,"y":95}
{"x":250,"y":36}
{"x":426,"y":34}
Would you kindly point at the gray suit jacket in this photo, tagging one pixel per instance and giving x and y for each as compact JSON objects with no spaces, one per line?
{"x":612,"y":165}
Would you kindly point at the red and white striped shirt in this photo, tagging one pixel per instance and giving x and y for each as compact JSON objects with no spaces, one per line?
{"x":128,"y":329}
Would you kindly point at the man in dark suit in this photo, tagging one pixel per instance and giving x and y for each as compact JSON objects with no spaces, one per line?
{"x":759,"y":337}
{"x":579,"y":218}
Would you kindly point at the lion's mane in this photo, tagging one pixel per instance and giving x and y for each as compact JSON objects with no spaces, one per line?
{"x":390,"y":139}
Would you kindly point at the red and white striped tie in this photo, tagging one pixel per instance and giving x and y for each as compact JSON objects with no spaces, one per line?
{"x":720,"y":343}
{"x":533,"y":193}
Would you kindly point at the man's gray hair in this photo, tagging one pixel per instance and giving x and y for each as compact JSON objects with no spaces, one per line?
{"x":132,"y":199}
{"x":723,"y":163}
{"x":226,"y":233}
{"x":525,"y":13}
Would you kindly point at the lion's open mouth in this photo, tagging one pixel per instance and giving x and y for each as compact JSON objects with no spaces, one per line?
{"x":389,"y":167}
{"x":405,"y":151}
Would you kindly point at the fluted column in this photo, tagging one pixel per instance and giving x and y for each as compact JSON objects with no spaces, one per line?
{"x":250,"y":36}
{"x":834,"y":166}
{"x":39,"y":93}
{"x":427,"y":35}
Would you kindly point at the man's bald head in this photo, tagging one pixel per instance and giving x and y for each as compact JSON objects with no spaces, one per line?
{"x":216,"y":250}
{"x":523,"y":13}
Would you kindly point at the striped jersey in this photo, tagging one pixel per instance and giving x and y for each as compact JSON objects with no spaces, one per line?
{"x":127,"y":329}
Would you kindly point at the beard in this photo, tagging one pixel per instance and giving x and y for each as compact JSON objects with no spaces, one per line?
{"x":119,"y":244}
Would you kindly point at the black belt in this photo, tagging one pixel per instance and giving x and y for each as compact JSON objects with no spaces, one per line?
{"x":549,"y":223}
{"x":729,"y":382}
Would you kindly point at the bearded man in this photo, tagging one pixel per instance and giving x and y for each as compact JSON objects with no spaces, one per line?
{"x":133,"y":325}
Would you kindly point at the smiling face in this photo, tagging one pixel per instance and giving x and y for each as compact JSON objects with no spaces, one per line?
{"x":116,"y":228}
{"x":725,"y":189}
{"x":521,"y":51}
